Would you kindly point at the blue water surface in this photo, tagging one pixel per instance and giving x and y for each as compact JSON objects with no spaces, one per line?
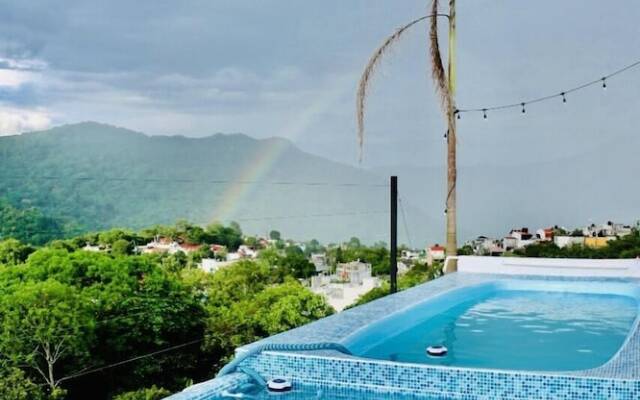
{"x":522,"y":330}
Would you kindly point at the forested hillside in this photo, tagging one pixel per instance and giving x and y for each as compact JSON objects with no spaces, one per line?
{"x":95,"y":176}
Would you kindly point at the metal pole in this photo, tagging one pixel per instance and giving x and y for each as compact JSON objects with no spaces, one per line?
{"x":394,"y":234}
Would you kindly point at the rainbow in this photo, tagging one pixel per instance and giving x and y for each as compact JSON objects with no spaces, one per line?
{"x":339,"y":90}
{"x":253,"y":172}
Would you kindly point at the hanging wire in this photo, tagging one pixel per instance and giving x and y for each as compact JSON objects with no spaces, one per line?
{"x":404,"y":223}
{"x":186,"y":180}
{"x":127,"y":361}
{"x":561,"y":94}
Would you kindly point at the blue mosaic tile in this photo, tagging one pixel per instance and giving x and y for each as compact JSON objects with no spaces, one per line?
{"x":618,"y":379}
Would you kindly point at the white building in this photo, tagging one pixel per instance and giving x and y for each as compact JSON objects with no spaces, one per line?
{"x":354,"y":272}
{"x":608,"y":229}
{"x":509,"y":243}
{"x":320,"y":262}
{"x":435,"y":253}
{"x":486,"y":246}
{"x":566,"y":241}
{"x":212,"y":265}
{"x":410,"y":255}
{"x":402,"y":268}
{"x":94,"y":249}
{"x":522,"y":237}
{"x":339,"y":295}
{"x":545,"y":234}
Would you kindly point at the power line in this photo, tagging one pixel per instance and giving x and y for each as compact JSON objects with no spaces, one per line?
{"x":61,"y":333}
{"x":248,"y":219}
{"x":404,"y":222}
{"x":129,"y":360}
{"x":560,"y":94}
{"x":312,"y":216}
{"x":189,"y":180}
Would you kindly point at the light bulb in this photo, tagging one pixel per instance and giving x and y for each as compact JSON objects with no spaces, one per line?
{"x":604,"y":83}
{"x":564,"y":98}
{"x":484,"y":113}
{"x":523,"y":109}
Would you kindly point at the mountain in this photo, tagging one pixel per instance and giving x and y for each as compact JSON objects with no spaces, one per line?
{"x":98,"y":176}
{"x":594,"y":186}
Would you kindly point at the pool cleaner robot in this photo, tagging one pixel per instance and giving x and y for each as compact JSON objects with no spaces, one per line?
{"x":437,"y":351}
{"x":279,"y":385}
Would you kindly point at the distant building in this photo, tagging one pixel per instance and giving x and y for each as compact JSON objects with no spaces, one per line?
{"x":355,"y":272}
{"x":212,"y":265}
{"x":545,"y":234}
{"x":435,"y":253}
{"x":608,"y":229}
{"x":567,"y":241}
{"x":92,"y":248}
{"x":320,"y":262}
{"x":410,"y":255}
{"x":338,"y":294}
{"x":247,"y":252}
{"x":522,"y":238}
{"x":597,"y":242}
{"x":189,"y":248}
{"x":402,"y":268}
{"x":485,"y":246}
{"x":509,"y":243}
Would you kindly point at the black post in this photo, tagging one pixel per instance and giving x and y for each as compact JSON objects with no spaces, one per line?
{"x":394,"y":234}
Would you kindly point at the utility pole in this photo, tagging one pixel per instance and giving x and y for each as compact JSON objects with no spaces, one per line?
{"x":394,"y":234}
{"x":452,"y":169}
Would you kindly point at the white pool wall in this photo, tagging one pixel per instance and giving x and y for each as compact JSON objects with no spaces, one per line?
{"x":611,"y":268}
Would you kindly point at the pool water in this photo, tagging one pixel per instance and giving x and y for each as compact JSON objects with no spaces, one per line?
{"x":517,"y":329}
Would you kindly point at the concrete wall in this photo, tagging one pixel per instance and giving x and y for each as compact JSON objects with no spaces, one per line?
{"x":550,"y":266}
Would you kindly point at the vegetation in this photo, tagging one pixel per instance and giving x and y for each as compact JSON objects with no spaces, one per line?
{"x":94,"y":177}
{"x":376,"y":255}
{"x":28,"y":224}
{"x":65,"y":313}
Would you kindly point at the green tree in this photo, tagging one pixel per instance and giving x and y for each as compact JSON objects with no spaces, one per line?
{"x":15,"y":385}
{"x":12,"y":252}
{"x":152,"y":393}
{"x":275,"y":235}
{"x":45,"y":325}
{"x":122,"y":247}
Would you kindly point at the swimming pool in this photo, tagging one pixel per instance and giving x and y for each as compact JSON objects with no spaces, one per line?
{"x":514,"y":329}
{"x":519,"y":325}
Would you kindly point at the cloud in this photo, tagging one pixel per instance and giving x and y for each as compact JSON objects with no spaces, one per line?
{"x":14,"y":120}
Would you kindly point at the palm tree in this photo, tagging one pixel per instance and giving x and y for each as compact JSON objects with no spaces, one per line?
{"x":445,"y":88}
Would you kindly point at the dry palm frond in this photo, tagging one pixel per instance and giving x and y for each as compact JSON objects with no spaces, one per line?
{"x":368,"y":73}
{"x":437,"y":68}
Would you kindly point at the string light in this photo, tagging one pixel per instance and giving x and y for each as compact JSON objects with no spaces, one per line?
{"x":562,"y":95}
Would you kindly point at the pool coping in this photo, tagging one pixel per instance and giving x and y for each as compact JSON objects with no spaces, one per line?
{"x":624,"y":364}
{"x":618,"y":378}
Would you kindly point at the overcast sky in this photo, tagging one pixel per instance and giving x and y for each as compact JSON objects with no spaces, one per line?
{"x":289,"y":68}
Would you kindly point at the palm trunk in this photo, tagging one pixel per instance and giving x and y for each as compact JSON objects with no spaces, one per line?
{"x":452,"y":170}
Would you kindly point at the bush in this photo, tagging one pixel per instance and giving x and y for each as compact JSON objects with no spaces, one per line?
{"x":152,"y":393}
{"x":14,"y":385}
